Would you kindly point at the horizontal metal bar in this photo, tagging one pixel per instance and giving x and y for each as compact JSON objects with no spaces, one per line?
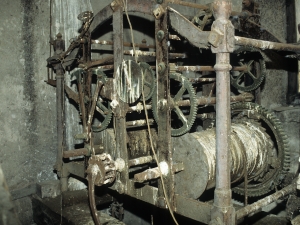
{"x":199,"y":80}
{"x":139,"y":123}
{"x":242,"y":41}
{"x":145,"y":53}
{"x":126,"y":44}
{"x":212,"y":100}
{"x":265,"y":201}
{"x":76,"y":152}
{"x":140,"y":161}
{"x":207,"y":68}
{"x":139,"y":108}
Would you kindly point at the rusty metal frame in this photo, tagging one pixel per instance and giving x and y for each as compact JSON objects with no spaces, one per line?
{"x":222,"y":41}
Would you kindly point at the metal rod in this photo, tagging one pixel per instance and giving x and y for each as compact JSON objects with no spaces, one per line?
{"x":138,"y":108}
{"x":147,"y":175}
{"x":145,"y":53}
{"x":96,"y":62}
{"x":140,"y":161}
{"x":242,"y":41}
{"x":207,"y":68}
{"x":139,"y":123}
{"x":60,"y":116}
{"x":247,"y":97}
{"x":200,"y":80}
{"x":265,"y":201}
{"x":126,"y":44}
{"x":223,"y":209}
{"x":98,"y":149}
{"x":76,"y":152}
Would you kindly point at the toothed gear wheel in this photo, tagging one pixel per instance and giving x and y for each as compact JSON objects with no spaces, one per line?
{"x":149,"y":81}
{"x":252,"y":78}
{"x":280,"y":164}
{"x":188,"y":122}
{"x":102,"y":107}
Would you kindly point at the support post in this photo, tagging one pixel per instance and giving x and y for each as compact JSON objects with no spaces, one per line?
{"x":59,"y":47}
{"x":164,"y":149}
{"x":223,"y":212}
{"x":120,"y":109}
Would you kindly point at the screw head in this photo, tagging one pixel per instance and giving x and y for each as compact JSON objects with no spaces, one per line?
{"x":160,"y":35}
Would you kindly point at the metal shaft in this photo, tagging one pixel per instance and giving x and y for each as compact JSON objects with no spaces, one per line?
{"x":265,"y":201}
{"x":223,"y":209}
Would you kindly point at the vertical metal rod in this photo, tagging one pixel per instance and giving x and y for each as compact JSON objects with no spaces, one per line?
{"x":120,"y":111}
{"x":60,"y":127}
{"x":223,"y":120}
{"x":223,"y":211}
{"x":60,"y":116}
{"x":59,"y":46}
{"x":164,"y":150}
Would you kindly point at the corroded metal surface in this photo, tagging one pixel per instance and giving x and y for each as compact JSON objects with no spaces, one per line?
{"x":246,"y":97}
{"x":250,"y":149}
{"x":223,"y":209}
{"x":265,"y":201}
{"x":188,"y":30}
{"x":139,"y":144}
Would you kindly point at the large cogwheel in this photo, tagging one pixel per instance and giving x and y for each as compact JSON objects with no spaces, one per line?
{"x":280,"y":164}
{"x":149,"y":81}
{"x":254,"y":74}
{"x":185,"y":123}
{"x":104,"y":111}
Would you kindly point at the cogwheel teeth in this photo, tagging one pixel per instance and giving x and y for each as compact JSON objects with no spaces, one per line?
{"x":188,"y":122}
{"x":277,"y":174}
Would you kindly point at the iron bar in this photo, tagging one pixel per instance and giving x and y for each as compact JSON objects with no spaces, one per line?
{"x":138,"y":108}
{"x":98,"y":149}
{"x":213,"y":100}
{"x":60,"y":117}
{"x":59,"y":46}
{"x":76,"y":152}
{"x":140,"y":161}
{"x":145,"y":53}
{"x":147,"y":175}
{"x":207,"y":68}
{"x":97,"y":62}
{"x":138,"y":123}
{"x":126,"y":44}
{"x":201,"y":80}
{"x":265,"y":201}
{"x":223,"y":209}
{"x":242,"y":41}
{"x":164,"y":148}
{"x":120,"y":110}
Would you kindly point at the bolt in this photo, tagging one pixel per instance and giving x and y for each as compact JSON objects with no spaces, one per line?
{"x":161,"y":68}
{"x":160,"y":35}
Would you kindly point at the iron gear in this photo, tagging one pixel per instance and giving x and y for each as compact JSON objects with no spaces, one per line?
{"x":187,"y":123}
{"x":149,"y":80}
{"x":256,"y":70}
{"x":106,"y":113}
{"x":280,"y":164}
